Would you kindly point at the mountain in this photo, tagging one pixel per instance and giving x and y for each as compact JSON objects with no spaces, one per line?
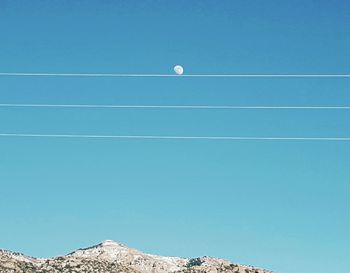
{"x":113,"y":257}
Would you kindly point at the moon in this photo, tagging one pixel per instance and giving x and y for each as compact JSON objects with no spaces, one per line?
{"x":179,"y":70}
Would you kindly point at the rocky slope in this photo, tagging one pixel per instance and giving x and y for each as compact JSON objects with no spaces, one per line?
{"x":113,"y":257}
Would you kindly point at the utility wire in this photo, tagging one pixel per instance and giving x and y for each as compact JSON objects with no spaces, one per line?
{"x":173,"y":137}
{"x":175,"y":75}
{"x":11,"y":105}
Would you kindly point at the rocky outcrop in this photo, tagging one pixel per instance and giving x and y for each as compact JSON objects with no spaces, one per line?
{"x":113,"y":257}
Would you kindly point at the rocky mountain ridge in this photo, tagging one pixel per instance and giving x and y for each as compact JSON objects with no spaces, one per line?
{"x":113,"y":257}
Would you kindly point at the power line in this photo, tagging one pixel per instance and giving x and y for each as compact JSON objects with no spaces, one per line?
{"x":174,"y":75}
{"x":10,"y":105}
{"x":173,"y":137}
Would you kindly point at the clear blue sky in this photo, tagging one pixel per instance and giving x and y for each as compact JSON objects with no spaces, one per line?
{"x":279,"y":205}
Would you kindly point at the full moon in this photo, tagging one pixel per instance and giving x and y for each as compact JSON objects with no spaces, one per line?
{"x":179,"y":70}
